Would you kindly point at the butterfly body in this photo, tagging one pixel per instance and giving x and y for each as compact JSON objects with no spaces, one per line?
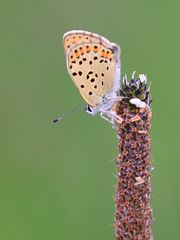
{"x":93,"y":63}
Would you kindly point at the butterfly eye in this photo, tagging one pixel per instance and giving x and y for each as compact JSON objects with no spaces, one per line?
{"x":89,"y":108}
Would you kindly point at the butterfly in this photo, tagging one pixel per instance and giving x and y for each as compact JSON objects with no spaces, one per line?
{"x":93,"y":62}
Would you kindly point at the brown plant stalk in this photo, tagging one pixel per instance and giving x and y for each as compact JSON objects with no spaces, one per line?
{"x":133,"y":214}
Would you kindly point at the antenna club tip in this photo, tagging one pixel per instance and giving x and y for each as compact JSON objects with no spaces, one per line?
{"x":54,"y":121}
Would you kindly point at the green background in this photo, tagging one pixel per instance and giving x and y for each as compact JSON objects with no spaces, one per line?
{"x":57,"y":181}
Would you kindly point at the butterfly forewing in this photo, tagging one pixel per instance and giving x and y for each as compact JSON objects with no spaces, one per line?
{"x":92,"y":64}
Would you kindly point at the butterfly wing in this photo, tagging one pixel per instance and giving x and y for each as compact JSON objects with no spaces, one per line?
{"x":93,"y":64}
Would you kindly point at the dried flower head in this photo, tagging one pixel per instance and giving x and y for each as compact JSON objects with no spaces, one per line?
{"x":133,"y":217}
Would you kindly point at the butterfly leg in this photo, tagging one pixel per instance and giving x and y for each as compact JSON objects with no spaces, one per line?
{"x":111,"y":117}
{"x":106,"y":117}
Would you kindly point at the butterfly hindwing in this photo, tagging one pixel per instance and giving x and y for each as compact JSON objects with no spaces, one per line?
{"x":92,"y":64}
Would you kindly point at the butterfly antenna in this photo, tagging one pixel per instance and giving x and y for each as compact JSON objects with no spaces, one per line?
{"x":68,"y":113}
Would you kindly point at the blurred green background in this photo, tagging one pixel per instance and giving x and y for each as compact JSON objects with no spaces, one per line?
{"x":57,"y":181}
